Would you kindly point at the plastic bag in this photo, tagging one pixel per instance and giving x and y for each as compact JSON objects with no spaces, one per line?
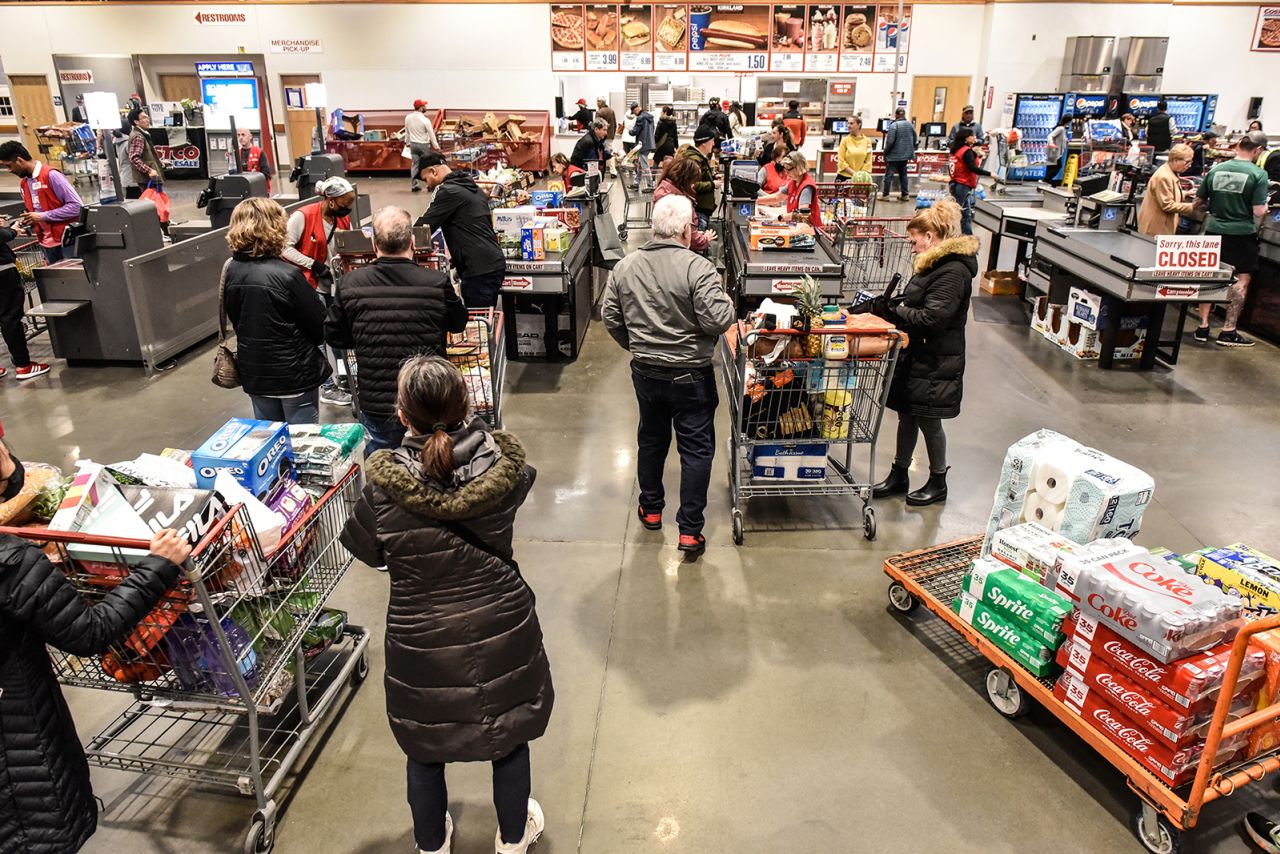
{"x":158,"y":198}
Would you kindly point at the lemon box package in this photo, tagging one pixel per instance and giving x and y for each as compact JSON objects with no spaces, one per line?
{"x":1239,"y":569}
{"x":255,"y":453}
{"x":1010,"y":637}
{"x":1018,"y":599}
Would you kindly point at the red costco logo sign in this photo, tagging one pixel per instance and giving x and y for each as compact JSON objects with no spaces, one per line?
{"x":221,"y":18}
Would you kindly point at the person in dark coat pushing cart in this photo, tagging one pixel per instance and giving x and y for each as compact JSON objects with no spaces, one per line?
{"x":929,"y":382}
{"x":46,"y":802}
{"x":467,"y":678}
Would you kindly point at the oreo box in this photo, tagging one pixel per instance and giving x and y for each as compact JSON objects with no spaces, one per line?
{"x":255,"y":453}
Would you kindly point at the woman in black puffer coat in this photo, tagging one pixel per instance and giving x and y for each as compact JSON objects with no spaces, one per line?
{"x":929,"y":381}
{"x":278,"y":318}
{"x":46,"y":803}
{"x":467,"y":678}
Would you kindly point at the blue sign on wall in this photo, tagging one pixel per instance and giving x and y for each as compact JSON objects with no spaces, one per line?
{"x":224,"y":69}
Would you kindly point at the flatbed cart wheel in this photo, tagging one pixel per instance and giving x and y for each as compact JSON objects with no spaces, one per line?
{"x":1156,"y":833}
{"x":868,"y":523}
{"x":622,"y":232}
{"x":1005,"y":695}
{"x":361,"y":669}
{"x":737,"y":528}
{"x":901,"y":599}
{"x":261,"y":837}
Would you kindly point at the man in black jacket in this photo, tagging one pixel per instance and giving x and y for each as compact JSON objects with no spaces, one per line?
{"x":718,"y":120}
{"x":46,"y":802}
{"x":592,"y":146}
{"x":1161,"y":128}
{"x":459,"y":209}
{"x":387,"y":312}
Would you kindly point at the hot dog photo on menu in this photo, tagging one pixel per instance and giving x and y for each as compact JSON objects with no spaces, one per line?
{"x":728,"y":27}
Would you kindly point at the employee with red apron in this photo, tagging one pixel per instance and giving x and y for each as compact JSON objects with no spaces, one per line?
{"x":50,"y":201}
{"x":800,"y":194}
{"x":251,"y":158}
{"x":964,"y":176}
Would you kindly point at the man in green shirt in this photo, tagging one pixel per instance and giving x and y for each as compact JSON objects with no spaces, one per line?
{"x":1235,"y":192}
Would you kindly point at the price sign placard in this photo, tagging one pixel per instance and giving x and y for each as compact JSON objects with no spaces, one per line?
{"x":602,"y":37}
{"x":857,"y":39}
{"x":670,"y":37}
{"x":568,"y":37}
{"x":1188,"y":256}
{"x":787,"y":42}
{"x":729,"y":37}
{"x":722,"y":61}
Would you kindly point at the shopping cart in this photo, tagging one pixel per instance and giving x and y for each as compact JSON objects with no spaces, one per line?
{"x":809,"y":409}
{"x":843,"y":200}
{"x":235,"y":669}
{"x":481,"y":356}
{"x":637,"y":199}
{"x":873,"y":250}
{"x":29,"y":257}
{"x":934,"y":576}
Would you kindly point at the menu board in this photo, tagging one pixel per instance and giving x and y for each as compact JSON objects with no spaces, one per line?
{"x":1266,"y":31}
{"x":858,"y":39}
{"x":568,"y":37}
{"x":788,"y":40}
{"x":636,"y":33}
{"x":889,"y":32}
{"x":823,"y":50}
{"x":602,"y":37}
{"x":670,"y":37}
{"x":728,"y":37}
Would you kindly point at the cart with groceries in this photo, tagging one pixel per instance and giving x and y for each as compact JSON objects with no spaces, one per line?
{"x":801,"y":401}
{"x":28,"y":256}
{"x":845,"y":200}
{"x":1167,"y":665}
{"x":234,"y":672}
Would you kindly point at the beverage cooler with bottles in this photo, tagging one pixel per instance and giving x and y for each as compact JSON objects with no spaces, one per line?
{"x":1034,"y":115}
{"x":1191,"y":113}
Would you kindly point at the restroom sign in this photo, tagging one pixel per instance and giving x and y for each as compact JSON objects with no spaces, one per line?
{"x":1188,"y":256}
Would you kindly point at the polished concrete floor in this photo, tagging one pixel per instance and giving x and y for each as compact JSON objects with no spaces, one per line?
{"x":764,"y":699}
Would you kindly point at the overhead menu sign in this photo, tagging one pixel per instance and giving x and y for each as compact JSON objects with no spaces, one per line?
{"x":788,"y":40}
{"x":670,"y":37}
{"x":1188,"y":256}
{"x":568,"y":37}
{"x":602,"y":37}
{"x":728,"y":37}
{"x":635,"y":28}
{"x":224,"y":69}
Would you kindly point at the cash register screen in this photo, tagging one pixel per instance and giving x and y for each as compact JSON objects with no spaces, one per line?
{"x":840,"y":126}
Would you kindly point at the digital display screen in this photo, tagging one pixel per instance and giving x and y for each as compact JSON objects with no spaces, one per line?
{"x":840,"y":126}
{"x":225,"y":98}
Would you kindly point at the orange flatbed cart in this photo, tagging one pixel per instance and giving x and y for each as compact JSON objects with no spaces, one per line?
{"x":932,"y":577}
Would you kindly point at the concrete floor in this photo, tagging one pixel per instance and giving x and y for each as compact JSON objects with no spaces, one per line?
{"x":763,"y":699}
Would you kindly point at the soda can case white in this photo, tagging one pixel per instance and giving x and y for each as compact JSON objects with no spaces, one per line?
{"x":1154,"y":604}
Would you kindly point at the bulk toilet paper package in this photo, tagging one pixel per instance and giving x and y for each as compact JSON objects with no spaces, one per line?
{"x":1065,"y":487}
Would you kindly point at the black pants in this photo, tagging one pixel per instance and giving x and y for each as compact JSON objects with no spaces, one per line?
{"x":482,"y":291}
{"x":686,"y":399}
{"x":12,"y":296}
{"x":935,"y":441}
{"x":429,"y":798}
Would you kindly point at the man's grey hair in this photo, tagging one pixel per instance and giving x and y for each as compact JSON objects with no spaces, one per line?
{"x":599,"y":124}
{"x":1254,"y":140}
{"x":392,"y":231}
{"x":671,"y":216}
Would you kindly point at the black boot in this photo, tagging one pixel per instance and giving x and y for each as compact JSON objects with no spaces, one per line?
{"x":897,"y":483}
{"x":931,"y":493}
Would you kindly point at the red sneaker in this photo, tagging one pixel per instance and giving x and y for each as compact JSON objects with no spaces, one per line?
{"x":31,"y":371}
{"x":651,"y":521}
{"x":692,"y":544}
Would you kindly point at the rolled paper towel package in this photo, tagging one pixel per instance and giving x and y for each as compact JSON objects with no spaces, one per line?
{"x":1052,"y":481}
{"x":1036,"y":508}
{"x":1018,"y":599}
{"x":1031,"y":549}
{"x":1155,"y":604}
{"x":1010,"y":637}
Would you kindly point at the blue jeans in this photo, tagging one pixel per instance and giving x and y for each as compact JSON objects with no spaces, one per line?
{"x":481,"y":291}
{"x":383,"y":434}
{"x":687,"y":399}
{"x":964,"y":198}
{"x":303,"y":409}
{"x":899,"y":168}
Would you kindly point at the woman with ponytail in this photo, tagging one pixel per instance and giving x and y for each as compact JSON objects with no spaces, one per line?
{"x":467,"y":677}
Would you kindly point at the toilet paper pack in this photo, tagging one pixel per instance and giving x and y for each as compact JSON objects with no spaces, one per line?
{"x":1157,"y":605}
{"x":1031,"y":549}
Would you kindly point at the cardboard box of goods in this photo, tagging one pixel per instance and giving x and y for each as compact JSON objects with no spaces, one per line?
{"x":532,"y":242}
{"x":1032,"y":549}
{"x":1001,"y":283}
{"x":571,"y":217}
{"x":1085,"y":343}
{"x":255,"y":453}
{"x":1040,"y":314}
{"x":1018,"y":599}
{"x":512,"y":220}
{"x":789,"y":461}
{"x":556,"y":238}
{"x":547,"y":198}
{"x":1086,"y":308}
{"x":1239,"y":569}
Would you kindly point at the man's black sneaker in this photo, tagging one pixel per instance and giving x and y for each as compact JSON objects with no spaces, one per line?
{"x":1233,"y":339}
{"x":1202,"y":334}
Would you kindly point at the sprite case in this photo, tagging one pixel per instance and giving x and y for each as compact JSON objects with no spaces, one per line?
{"x":1019,"y":599}
{"x":1010,"y":637}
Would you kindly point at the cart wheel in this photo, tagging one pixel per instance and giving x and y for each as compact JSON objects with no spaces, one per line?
{"x":1155,"y":832}
{"x":261,"y":837}
{"x":361,"y":669}
{"x":1005,"y":695}
{"x":901,"y":599}
{"x":737,"y":528}
{"x":869,"y":523}
{"x":622,"y":233}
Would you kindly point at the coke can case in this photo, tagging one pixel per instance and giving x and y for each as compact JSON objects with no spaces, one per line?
{"x":1148,"y":601}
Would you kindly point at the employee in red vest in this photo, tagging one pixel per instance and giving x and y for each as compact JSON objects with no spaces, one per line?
{"x":800,"y":195}
{"x":310,"y":246}
{"x":964,"y":175}
{"x":51,"y":202}
{"x":251,"y":158}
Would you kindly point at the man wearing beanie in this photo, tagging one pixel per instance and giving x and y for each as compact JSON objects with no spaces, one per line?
{"x":704,"y":140}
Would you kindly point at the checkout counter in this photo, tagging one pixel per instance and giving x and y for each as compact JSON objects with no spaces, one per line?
{"x":547,"y":304}
{"x":1261,"y":314}
{"x":1016,"y":213}
{"x":218,"y":201}
{"x":755,"y":274}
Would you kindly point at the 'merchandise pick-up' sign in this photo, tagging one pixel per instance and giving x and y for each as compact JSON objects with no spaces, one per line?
{"x":1188,"y":256}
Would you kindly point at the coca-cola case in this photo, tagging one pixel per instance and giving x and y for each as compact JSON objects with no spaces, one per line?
{"x":1149,"y":601}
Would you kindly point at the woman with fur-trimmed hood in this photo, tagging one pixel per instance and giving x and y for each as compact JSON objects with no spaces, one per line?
{"x":467,"y":678}
{"x":929,"y":381}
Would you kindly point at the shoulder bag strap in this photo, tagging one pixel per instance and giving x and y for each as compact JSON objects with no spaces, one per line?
{"x":222,"y":303}
{"x":469,"y":537}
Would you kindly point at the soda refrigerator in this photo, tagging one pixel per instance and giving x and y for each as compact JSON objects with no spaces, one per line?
{"x":1034,"y":115}
{"x":1191,"y":113}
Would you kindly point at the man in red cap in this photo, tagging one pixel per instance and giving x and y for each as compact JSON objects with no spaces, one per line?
{"x":420,"y":136}
{"x":583,"y":117}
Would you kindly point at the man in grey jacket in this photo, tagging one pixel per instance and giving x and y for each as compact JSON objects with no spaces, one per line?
{"x":644,"y":143}
{"x":667,"y":306}
{"x":900,"y":141}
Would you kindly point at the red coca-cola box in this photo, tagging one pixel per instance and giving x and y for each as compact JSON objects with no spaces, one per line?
{"x":1185,"y":683}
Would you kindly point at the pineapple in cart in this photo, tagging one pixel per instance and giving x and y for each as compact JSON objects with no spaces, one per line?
{"x":809,"y":302}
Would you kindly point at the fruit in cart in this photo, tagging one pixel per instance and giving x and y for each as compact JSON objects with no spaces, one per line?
{"x":809,"y":305}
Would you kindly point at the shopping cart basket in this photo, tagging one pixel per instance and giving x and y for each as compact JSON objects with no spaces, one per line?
{"x":842,"y":200}
{"x":481,"y":356}
{"x":809,"y":409}
{"x":637,"y":198}
{"x":873,"y":250}
{"x":29,"y":257}
{"x":235,"y":669}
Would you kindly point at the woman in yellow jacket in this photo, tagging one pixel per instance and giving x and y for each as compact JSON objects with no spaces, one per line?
{"x":855,"y":152}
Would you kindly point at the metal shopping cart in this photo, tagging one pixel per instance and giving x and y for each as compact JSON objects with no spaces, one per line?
{"x":481,"y":355}
{"x":796,"y":419}
{"x":637,"y":199}
{"x":236,"y":668}
{"x":873,"y":250}
{"x":844,"y":200}
{"x":29,"y":257}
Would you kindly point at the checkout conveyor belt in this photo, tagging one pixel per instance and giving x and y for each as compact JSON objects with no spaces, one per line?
{"x":757,"y":274}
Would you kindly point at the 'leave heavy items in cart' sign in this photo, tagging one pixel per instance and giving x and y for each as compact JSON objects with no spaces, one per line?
{"x":1188,"y":256}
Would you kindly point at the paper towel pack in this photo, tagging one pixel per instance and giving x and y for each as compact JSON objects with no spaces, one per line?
{"x":1079,"y":492}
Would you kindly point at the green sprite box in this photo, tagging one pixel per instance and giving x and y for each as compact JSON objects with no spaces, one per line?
{"x":1010,"y":637}
{"x":1019,"y":599}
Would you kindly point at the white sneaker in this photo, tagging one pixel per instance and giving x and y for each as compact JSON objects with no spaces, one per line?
{"x":532,"y":831}
{"x":448,"y":837}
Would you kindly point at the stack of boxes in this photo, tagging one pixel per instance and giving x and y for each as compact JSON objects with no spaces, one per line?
{"x":529,"y":232}
{"x":1076,"y":327}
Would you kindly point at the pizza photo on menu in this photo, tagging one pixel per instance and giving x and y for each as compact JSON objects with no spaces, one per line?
{"x":1268,"y":30}
{"x":568,"y":29}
